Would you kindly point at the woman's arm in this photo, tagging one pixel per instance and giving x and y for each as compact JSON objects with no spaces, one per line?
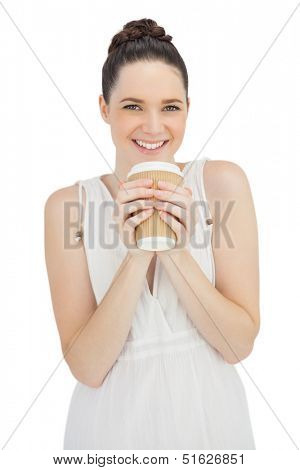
{"x":92,"y":336}
{"x":226,"y":315}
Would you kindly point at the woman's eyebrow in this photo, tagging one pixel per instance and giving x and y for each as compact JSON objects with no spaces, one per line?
{"x":137,"y":100}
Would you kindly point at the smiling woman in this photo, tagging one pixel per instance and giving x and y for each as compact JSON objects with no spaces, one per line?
{"x":154,"y":113}
{"x":148,"y":336}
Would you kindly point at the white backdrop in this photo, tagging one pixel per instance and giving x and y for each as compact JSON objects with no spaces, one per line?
{"x":243,"y":63}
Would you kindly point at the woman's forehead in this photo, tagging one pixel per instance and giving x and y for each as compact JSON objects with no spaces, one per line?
{"x":140,"y":80}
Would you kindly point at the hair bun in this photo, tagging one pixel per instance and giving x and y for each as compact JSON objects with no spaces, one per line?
{"x":137,"y":29}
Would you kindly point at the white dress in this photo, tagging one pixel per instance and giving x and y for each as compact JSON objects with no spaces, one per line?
{"x":169,"y":388}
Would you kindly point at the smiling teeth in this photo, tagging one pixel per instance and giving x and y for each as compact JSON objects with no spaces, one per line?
{"x":149,"y":146}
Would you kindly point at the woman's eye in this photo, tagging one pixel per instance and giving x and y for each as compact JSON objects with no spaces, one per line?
{"x":128,"y":106}
{"x":172,"y":106}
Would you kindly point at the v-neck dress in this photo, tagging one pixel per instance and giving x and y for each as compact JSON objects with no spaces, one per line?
{"x":169,"y":388}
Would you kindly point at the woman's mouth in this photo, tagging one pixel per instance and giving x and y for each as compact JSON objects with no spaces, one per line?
{"x":148,"y":151}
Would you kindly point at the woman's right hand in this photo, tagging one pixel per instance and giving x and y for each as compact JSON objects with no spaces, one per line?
{"x":133,"y":196}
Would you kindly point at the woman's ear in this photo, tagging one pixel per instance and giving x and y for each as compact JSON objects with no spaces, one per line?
{"x":103,"y":109}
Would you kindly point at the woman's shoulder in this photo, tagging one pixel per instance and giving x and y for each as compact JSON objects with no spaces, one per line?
{"x":223,"y":170}
{"x":221,"y":175}
{"x":223,"y":179}
{"x":62,"y":205}
{"x":64,"y":194}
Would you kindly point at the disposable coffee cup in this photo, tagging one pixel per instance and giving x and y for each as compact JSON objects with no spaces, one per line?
{"x":154,"y":234}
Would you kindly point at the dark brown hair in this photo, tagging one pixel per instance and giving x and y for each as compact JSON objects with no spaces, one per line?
{"x":140,"y":40}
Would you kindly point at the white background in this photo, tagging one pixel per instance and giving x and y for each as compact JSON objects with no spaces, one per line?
{"x":47,"y":46}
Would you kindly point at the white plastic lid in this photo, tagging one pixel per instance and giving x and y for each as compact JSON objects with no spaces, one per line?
{"x":155,"y":165}
{"x":156,"y":243}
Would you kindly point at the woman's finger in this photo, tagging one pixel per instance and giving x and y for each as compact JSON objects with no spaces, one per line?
{"x":177,"y":227}
{"x":134,"y":221}
{"x":130,"y":194}
{"x":187,"y":188}
{"x":174,"y":188}
{"x":135,"y":183}
{"x":124,"y":211}
{"x":134,"y":206}
{"x":181,"y":200}
{"x":170,"y":208}
{"x":128,"y":228}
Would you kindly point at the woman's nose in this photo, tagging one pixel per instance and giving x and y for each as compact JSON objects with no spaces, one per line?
{"x":153,"y":123}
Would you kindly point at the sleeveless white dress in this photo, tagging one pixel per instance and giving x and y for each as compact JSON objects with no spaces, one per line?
{"x":169,"y":388}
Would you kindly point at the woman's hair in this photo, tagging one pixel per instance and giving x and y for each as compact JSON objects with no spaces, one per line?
{"x":140,"y":40}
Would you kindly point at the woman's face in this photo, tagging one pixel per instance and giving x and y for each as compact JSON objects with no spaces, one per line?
{"x":148,"y":104}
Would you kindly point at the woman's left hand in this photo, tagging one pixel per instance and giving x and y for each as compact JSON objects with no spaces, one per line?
{"x":178,"y":210}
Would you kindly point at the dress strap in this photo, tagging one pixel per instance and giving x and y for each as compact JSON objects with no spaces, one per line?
{"x":79,"y":233}
{"x":200,"y":179}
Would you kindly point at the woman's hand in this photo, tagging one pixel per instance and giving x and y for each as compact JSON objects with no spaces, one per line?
{"x":133,"y":197}
{"x":177,"y":210}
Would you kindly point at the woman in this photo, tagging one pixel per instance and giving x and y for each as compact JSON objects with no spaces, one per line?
{"x":152,"y":337}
